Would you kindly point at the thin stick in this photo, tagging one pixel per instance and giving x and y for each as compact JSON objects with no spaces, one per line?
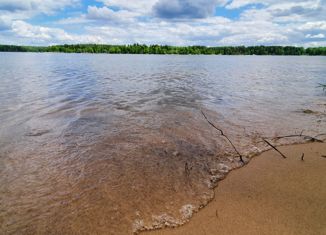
{"x":274,"y":148}
{"x":222,"y":133}
{"x":300,"y":135}
{"x":320,"y":135}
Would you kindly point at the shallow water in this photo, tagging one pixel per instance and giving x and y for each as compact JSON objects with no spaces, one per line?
{"x":112,"y":144}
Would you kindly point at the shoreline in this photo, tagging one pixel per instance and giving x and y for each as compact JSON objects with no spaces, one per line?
{"x":286,"y":198}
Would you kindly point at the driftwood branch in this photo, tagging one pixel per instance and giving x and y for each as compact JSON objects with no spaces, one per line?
{"x":314,"y":139}
{"x":322,"y":134}
{"x":222,"y":133}
{"x":274,"y":148}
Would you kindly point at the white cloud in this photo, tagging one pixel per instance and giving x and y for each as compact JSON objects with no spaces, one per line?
{"x":160,"y":32}
{"x":143,"y":6}
{"x":212,"y":31}
{"x":105,"y":13}
{"x":317,"y":25}
{"x":43,"y":6}
{"x":50,"y":35}
{"x":5,"y":23}
{"x":12,"y":10}
{"x":272,"y":22}
{"x":315,"y":36}
{"x":241,"y":3}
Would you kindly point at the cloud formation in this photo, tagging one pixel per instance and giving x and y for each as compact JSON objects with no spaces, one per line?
{"x":107,"y":14}
{"x":44,"y":34}
{"x":176,"y":9}
{"x":44,"y":6}
{"x":174,"y":22}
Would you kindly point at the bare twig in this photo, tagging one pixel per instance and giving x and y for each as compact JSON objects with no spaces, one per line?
{"x":322,"y":134}
{"x":314,"y":139}
{"x":302,"y":157}
{"x":274,"y":148}
{"x":211,"y":123}
{"x":222,"y":133}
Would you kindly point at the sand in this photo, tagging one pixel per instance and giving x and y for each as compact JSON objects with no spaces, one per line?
{"x":270,"y":195}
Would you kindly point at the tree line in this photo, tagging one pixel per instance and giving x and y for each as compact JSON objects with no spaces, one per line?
{"x":165,"y":49}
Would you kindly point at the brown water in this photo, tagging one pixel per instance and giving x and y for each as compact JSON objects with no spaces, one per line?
{"x":113,"y":144}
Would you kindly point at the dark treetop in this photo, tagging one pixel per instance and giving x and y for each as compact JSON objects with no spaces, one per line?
{"x":158,"y":49}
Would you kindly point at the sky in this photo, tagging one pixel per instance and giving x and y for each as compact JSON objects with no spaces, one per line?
{"x":168,"y":22}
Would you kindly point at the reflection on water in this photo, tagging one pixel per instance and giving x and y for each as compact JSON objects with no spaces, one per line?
{"x":111,"y":144}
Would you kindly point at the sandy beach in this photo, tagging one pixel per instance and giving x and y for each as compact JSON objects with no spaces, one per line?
{"x":270,"y":195}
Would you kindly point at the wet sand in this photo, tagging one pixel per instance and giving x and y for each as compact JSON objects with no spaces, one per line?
{"x":270,"y":195}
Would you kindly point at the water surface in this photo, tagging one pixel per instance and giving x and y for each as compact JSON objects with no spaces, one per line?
{"x":113,"y":144}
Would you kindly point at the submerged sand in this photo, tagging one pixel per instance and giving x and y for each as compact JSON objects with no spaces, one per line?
{"x":270,"y":195}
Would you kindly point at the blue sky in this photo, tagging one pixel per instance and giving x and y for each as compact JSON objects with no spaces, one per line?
{"x":172,"y":22}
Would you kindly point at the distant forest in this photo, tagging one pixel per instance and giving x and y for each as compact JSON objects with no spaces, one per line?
{"x":158,"y":49}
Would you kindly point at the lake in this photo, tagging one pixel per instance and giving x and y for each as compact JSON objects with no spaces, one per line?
{"x":115,"y":144}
